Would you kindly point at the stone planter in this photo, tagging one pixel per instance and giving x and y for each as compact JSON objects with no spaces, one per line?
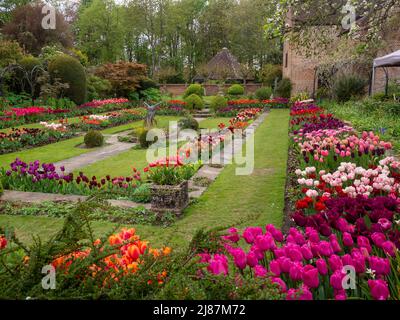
{"x":169,"y":198}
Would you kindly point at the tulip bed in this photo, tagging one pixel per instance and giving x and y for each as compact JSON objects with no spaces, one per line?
{"x":18,"y":139}
{"x":21,"y":116}
{"x":347,"y":218}
{"x":111,"y":119}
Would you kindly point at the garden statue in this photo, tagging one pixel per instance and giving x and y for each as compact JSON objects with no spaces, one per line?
{"x":149,"y":120}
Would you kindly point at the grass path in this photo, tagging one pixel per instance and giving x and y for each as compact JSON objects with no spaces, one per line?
{"x":256,"y":199}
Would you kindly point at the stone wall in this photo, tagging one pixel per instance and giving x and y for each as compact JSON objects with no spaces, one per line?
{"x":210,"y":89}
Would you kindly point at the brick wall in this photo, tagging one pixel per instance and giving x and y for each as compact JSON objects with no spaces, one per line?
{"x":210,"y":89}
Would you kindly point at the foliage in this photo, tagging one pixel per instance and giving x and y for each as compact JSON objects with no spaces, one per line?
{"x":150,"y":94}
{"x":236,"y":90}
{"x":141,"y":133}
{"x":98,"y":88}
{"x":188,"y":123}
{"x":264,"y":93}
{"x":284,"y":88}
{"x":124,"y":76}
{"x":147,"y":83}
{"x":25,"y":27}
{"x":218,"y":102}
{"x":269,"y":73}
{"x":70,"y":71}
{"x":10,"y":52}
{"x":194,"y":89}
{"x":194,"y":102}
{"x":29,"y":62}
{"x":49,"y":52}
{"x":348,"y":86}
{"x":94,"y":139}
{"x":169,"y":75}
{"x":1,"y":188}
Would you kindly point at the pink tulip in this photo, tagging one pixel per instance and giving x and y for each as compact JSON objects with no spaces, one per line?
{"x":275,"y":267}
{"x":359,"y":260}
{"x":251,"y":233}
{"x":325,"y":249}
{"x":336,"y":280}
{"x":335,"y":262}
{"x":281,"y":283}
{"x":379,"y":289}
{"x":265,"y":242}
{"x":293,"y":252}
{"x":239,"y":258}
{"x":218,"y":265}
{"x":233,"y":235}
{"x":312,"y":235}
{"x":390,"y":248}
{"x":381,"y":266}
{"x":378,"y":239}
{"x":340,"y":295}
{"x":260,"y":271}
{"x":364,"y":242}
{"x":285,"y":264}
{"x":276,"y":233}
{"x":204,"y":257}
{"x":252,"y":259}
{"x":348,"y":239}
{"x":306,"y":252}
{"x":322,"y":267}
{"x":296,"y":271}
{"x":385,"y":224}
{"x":310,"y":276}
{"x":347,"y":260}
{"x":300,"y":294}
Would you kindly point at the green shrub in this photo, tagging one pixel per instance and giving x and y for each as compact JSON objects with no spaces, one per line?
{"x":194,"y":102}
{"x":264,"y":93}
{"x":141,"y":134}
{"x":322,"y":93}
{"x":98,"y":88}
{"x":194,"y":89}
{"x":236,"y":90}
{"x":393,"y":89}
{"x":94,"y":139}
{"x":10,"y":52}
{"x":151,"y":94}
{"x":284,"y":88}
{"x":148,"y":83}
{"x":348,"y":86}
{"x":70,"y":71}
{"x":1,"y":188}
{"x":29,"y":62}
{"x":188,"y":123}
{"x":218,"y":102}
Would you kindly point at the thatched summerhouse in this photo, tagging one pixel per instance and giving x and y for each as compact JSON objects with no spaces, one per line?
{"x":224,"y":66}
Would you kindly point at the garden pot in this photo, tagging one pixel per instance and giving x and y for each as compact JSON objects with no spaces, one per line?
{"x":169,"y":198}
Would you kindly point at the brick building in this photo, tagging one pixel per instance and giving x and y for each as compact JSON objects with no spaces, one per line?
{"x":302,"y":71}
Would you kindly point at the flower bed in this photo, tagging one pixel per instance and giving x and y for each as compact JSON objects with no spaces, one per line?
{"x":277,"y":103}
{"x":36,"y":177}
{"x":18,"y":139}
{"x":20,"y":116}
{"x":111,"y":119}
{"x":173,"y":108}
{"x":347,"y":215}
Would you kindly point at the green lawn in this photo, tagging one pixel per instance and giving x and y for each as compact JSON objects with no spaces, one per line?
{"x":67,"y":149}
{"x":212,"y":123}
{"x":256,"y":199}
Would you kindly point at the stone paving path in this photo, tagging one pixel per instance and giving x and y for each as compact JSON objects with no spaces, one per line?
{"x":112,"y":148}
{"x":38,"y":197}
{"x":221,"y":158}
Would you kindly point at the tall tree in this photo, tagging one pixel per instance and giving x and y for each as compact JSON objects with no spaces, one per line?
{"x":99,"y":30}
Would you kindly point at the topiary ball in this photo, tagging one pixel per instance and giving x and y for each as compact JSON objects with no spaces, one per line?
{"x":236,"y":90}
{"x":70,"y":71}
{"x":218,"y":102}
{"x":194,"y":89}
{"x":94,"y":139}
{"x":194,"y":102}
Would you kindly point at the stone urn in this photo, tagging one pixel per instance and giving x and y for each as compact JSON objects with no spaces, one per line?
{"x":165,"y":198}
